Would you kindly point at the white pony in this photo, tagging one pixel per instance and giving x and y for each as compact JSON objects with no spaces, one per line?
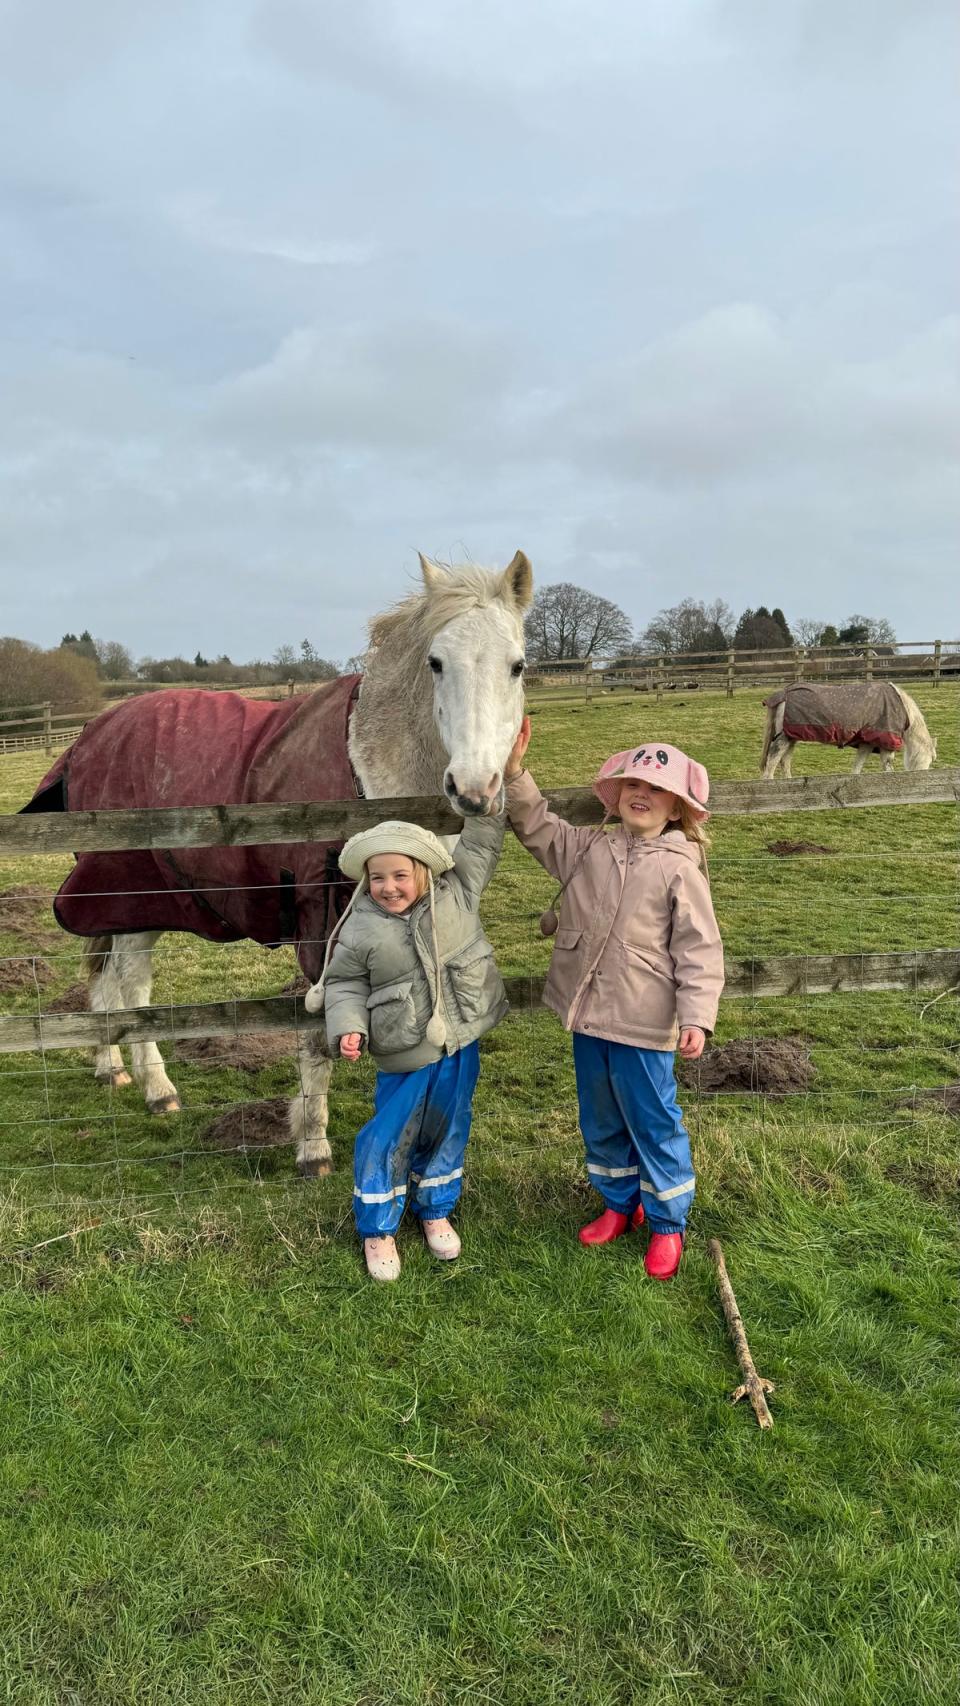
{"x":887,"y":718}
{"x":439,"y":708}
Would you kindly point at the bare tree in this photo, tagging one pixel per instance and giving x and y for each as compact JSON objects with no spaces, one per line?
{"x":807,"y":630}
{"x":690,"y":626}
{"x":566,"y":621}
{"x":114,"y":660}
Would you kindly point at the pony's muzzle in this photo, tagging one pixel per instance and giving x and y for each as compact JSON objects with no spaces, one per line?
{"x":474,"y":802}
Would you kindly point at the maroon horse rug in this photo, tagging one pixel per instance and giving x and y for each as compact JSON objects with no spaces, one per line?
{"x":191,"y":748}
{"x":868,"y":713}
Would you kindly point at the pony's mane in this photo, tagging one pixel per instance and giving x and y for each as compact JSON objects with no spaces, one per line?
{"x":421,"y":615}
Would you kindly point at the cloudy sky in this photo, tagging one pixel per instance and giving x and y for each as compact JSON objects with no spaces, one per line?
{"x":663,"y":293}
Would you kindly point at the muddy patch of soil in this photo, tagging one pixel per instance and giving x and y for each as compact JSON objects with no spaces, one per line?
{"x":17,"y":976}
{"x":784,"y":849}
{"x":73,"y":1000}
{"x":22,"y":908}
{"x":297,"y":986}
{"x":247,"y":1053}
{"x":251,"y":1125}
{"x":776,"y":1065}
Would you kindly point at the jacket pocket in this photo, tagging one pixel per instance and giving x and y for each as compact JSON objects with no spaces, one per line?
{"x":393,"y":1019}
{"x":568,"y":938}
{"x":475,"y":981}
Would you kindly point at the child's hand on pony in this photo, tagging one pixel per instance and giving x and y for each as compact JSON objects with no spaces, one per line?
{"x":351,"y":1044}
{"x":514,"y":763}
{"x":692,"y":1042}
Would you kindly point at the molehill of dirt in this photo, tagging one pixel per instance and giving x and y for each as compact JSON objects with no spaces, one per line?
{"x":776,"y":1065}
{"x":297,"y":986}
{"x":73,"y":1000}
{"x":22,"y":908}
{"x":252,"y":1125}
{"x":783,"y":849}
{"x":18,"y":975}
{"x":249,"y":1052}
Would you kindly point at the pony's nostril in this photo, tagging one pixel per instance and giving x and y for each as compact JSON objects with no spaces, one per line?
{"x":449,"y":785}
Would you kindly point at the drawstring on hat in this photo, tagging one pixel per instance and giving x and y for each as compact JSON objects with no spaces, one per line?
{"x":313,"y":1000}
{"x":550,"y":919}
{"x":436,"y":1032}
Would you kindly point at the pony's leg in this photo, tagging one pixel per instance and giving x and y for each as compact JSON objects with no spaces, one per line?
{"x":888,"y":761}
{"x":134,"y":957}
{"x":781,"y":752}
{"x":308,"y":1112}
{"x":863,"y":753}
{"x":788,"y":760}
{"x":106,"y":995}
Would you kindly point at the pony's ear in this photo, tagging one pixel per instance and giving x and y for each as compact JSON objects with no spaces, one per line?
{"x":517,"y":581}
{"x":433,"y":575}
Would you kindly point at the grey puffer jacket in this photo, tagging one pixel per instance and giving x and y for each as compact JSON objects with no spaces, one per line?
{"x":381,"y":977}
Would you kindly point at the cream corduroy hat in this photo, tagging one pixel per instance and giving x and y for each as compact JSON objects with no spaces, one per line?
{"x":391,"y":836}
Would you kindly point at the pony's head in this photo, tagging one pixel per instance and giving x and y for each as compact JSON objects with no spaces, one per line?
{"x":475,"y":655}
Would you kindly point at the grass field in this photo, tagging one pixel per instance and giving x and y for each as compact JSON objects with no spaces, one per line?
{"x":233,"y":1471}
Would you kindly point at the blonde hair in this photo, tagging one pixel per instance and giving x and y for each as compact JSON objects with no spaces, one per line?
{"x":421,"y":876}
{"x":692,"y":826}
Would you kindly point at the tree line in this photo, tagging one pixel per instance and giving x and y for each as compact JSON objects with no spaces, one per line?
{"x":564,"y":621}
{"x":567,"y":621}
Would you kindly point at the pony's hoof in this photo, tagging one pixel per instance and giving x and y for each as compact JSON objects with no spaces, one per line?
{"x":116,"y":1080}
{"x":164,"y":1105}
{"x":315,"y":1169}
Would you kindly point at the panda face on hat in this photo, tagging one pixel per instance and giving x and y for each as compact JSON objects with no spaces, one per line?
{"x":662,"y":766}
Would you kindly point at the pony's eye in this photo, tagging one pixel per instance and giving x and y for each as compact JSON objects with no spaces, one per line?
{"x":517,"y":668}
{"x":435,"y":665}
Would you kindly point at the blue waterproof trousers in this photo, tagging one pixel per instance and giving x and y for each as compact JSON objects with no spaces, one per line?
{"x":413,"y":1146}
{"x":637,"y":1146}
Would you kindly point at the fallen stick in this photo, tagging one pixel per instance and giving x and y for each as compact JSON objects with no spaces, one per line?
{"x":754,"y":1386}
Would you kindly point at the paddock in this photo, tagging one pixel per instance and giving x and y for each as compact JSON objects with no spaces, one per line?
{"x":532,"y":1457}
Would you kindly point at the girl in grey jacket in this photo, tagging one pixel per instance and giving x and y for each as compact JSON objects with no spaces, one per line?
{"x":411,"y":974}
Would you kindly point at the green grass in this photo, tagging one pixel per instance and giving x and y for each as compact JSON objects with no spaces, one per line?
{"x":233,"y":1471}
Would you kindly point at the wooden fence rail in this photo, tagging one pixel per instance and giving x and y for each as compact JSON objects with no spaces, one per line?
{"x":935,"y":970}
{"x":272,"y":824}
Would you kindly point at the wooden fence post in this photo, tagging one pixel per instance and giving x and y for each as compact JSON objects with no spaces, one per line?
{"x":799,"y":661}
{"x":588,"y":687}
{"x":937,"y":653}
{"x":659,"y":679}
{"x":731,"y":667}
{"x":47,"y":727}
{"x":868,"y":665}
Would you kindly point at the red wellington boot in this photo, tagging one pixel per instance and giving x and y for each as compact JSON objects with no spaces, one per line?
{"x":663,"y":1255}
{"x":638,"y":1217}
{"x":607,"y":1226}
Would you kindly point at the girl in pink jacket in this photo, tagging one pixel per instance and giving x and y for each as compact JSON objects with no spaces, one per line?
{"x":637,"y":971}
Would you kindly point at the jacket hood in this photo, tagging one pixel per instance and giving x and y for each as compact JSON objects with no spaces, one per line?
{"x":671,"y":841}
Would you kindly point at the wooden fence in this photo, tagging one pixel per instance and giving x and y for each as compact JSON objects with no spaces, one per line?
{"x":725,"y":671}
{"x":268,"y":825}
{"x":778,"y":975}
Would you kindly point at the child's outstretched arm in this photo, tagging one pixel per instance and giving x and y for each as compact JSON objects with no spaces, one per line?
{"x":345,"y":996}
{"x":553,"y":841}
{"x":476,"y":854}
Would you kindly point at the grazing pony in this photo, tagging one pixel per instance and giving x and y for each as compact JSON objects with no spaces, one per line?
{"x":873,"y":716}
{"x":435,"y":712}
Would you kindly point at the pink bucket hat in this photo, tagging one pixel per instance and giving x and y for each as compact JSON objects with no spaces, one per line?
{"x":662,"y":766}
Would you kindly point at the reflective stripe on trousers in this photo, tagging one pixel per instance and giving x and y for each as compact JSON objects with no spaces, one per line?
{"x":412,"y":1149}
{"x":638,"y":1150}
